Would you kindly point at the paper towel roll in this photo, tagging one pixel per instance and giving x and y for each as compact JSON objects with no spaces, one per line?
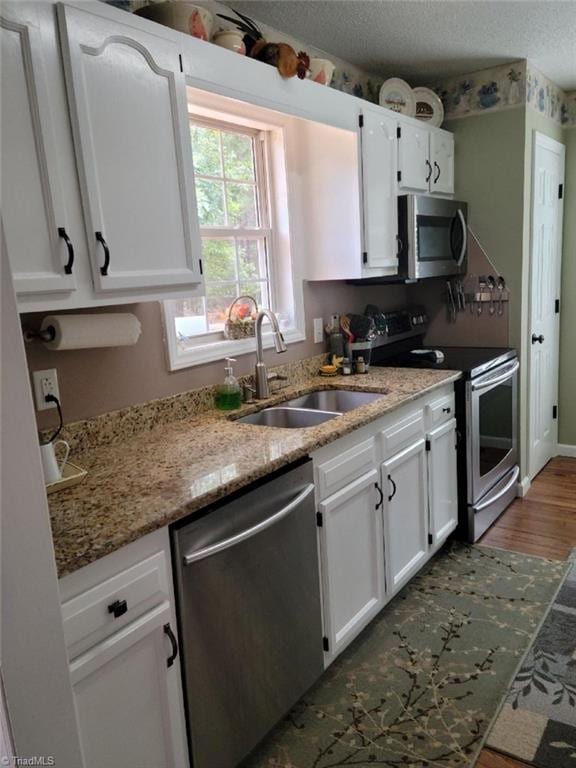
{"x":111,"y":329}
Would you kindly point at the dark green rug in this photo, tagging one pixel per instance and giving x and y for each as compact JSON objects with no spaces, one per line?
{"x":421,"y":684}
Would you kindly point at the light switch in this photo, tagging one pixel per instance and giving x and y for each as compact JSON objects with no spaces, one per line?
{"x":318,"y":330}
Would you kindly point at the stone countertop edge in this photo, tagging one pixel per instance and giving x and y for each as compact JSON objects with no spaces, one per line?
{"x":163,"y":475}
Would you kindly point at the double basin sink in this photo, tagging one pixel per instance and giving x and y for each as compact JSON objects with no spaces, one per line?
{"x":311,"y":409}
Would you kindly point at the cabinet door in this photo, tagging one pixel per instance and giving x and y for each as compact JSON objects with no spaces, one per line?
{"x":127,"y":699}
{"x":379,"y":161}
{"x":442,"y":481}
{"x":442,"y":157}
{"x":415,"y":170}
{"x":131,"y":132}
{"x":405,"y":514}
{"x":35,"y":226}
{"x":352,"y":560}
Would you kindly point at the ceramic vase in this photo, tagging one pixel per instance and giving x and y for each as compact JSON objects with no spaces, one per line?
{"x":232,"y":39}
{"x":181,"y":15}
{"x":321,"y":71}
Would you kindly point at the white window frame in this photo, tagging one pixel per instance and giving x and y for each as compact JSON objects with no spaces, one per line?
{"x":270,"y":163}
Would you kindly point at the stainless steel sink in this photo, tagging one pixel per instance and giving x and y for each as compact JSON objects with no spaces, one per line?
{"x":288,"y":418}
{"x":335,"y":400}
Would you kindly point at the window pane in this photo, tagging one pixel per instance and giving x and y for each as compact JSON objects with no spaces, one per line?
{"x":238,"y":156}
{"x":190,"y":318}
{"x":206,"y":150}
{"x":210,"y":196}
{"x":218,"y":300}
{"x":219,"y":258}
{"x":251,"y":259}
{"x":241,"y":202}
{"x":258,"y":291}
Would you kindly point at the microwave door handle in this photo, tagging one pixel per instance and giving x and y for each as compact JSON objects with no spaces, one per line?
{"x":496,"y":379}
{"x":459,"y":217}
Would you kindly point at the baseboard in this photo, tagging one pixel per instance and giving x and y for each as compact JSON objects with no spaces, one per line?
{"x":523,"y":486}
{"x":562,"y":449}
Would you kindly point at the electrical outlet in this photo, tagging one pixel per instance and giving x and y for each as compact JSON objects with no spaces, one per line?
{"x":45,"y":383}
{"x":318,"y":330}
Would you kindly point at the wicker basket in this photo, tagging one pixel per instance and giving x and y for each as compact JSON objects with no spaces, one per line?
{"x":240,"y":328}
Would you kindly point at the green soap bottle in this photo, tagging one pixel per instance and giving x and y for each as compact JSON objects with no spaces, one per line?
{"x":229,"y":394}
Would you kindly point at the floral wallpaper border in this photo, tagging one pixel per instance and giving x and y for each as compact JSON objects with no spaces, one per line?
{"x":507,"y":86}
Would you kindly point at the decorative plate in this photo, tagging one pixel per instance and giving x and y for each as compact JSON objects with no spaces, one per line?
{"x":429,"y":107}
{"x":396,"y":94}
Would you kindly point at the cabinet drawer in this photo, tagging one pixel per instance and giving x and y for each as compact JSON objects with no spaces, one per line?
{"x":112,"y":604}
{"x":402,"y":433}
{"x":343,"y":469}
{"x":440,"y":410}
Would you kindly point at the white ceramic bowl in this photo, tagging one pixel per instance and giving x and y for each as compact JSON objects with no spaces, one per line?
{"x":181,"y":15}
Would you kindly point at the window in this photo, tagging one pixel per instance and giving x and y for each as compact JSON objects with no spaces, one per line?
{"x":235,"y":203}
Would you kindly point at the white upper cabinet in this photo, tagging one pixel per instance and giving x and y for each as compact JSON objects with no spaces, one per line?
{"x":38,"y":238}
{"x":425,"y":160}
{"x":129,"y":117}
{"x":379,"y":167}
{"x":414,"y":167}
{"x":442,"y":159}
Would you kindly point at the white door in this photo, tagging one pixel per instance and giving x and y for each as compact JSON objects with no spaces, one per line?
{"x":132,"y":137}
{"x":380,"y":209}
{"x":126,"y":698}
{"x":414,"y":167}
{"x":352,"y":559}
{"x":442,"y":159}
{"x":40,"y":250}
{"x":442,"y":481}
{"x":545,"y":274}
{"x":405,"y":514}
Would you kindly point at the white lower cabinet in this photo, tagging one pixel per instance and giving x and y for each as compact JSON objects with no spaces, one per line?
{"x":121,"y":634}
{"x":442,"y":481}
{"x":352,"y":556}
{"x":124,"y":691}
{"x":387,"y":500}
{"x":405,"y":514}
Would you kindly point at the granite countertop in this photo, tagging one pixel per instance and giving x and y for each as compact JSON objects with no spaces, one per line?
{"x":151,"y":479}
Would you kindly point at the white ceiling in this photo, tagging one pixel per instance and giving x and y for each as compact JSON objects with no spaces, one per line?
{"x":423,"y":40}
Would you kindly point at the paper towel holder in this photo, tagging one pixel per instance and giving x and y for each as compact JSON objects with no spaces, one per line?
{"x":47,"y":334}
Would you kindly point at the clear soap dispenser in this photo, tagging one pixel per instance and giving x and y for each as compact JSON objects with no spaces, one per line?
{"x":229,"y":393}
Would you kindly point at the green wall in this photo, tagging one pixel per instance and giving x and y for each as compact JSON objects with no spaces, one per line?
{"x":494,"y":173}
{"x":567,"y":405}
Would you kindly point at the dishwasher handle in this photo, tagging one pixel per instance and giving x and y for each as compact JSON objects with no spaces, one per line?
{"x":220,"y":546}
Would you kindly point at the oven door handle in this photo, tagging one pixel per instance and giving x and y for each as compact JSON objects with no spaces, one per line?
{"x":509,"y":484}
{"x":496,"y":379}
{"x":220,"y":546}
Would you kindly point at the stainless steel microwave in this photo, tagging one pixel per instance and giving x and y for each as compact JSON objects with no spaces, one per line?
{"x":432,"y":237}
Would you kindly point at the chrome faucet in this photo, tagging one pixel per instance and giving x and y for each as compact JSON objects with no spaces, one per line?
{"x":262,"y":377}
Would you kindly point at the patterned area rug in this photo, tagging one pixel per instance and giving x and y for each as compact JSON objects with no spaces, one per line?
{"x":538,"y":720}
{"x":420,"y":686}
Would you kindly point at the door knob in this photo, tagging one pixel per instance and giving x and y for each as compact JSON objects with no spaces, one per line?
{"x":539,"y":339}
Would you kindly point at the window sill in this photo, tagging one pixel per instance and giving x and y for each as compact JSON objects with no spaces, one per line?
{"x":217,"y":351}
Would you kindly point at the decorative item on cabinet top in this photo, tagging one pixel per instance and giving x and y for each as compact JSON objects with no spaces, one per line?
{"x":397,"y":95}
{"x":180,"y":15}
{"x":279,"y":55}
{"x":429,"y":107}
{"x":321,"y":71}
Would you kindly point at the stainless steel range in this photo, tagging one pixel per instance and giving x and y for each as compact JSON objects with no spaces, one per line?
{"x":486,"y":411}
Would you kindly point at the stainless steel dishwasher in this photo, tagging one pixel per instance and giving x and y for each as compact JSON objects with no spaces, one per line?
{"x":248,"y":592}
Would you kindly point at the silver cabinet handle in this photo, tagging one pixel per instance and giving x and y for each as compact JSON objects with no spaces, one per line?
{"x":220,"y":546}
{"x":501,"y":493}
{"x":496,"y":379}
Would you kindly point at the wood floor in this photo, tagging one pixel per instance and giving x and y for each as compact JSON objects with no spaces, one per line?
{"x":542,"y":523}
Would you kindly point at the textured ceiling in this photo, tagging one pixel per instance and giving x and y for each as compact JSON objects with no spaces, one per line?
{"x":422,"y":40}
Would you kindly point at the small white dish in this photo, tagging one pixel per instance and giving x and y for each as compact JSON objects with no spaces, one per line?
{"x":396,"y":94}
{"x":429,"y":107}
